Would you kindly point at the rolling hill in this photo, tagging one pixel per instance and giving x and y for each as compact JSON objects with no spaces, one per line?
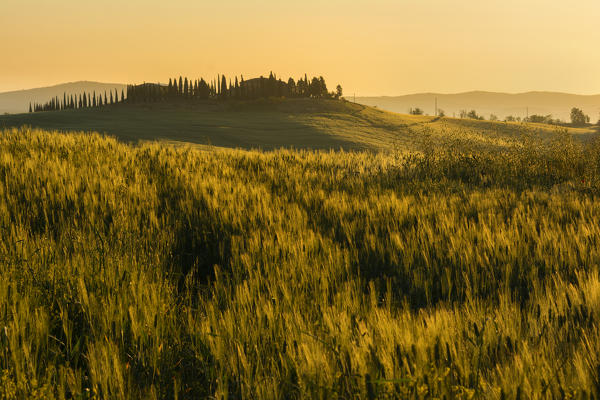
{"x":485,"y":103}
{"x":18,"y":101}
{"x":271,"y":124}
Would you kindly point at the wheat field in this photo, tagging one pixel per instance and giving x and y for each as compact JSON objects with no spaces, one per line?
{"x":158,"y":271}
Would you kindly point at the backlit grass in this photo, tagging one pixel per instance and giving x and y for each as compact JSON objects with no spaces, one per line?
{"x":155,"y":271}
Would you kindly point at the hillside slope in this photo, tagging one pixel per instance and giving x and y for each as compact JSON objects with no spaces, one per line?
{"x":298,"y":123}
{"x":18,"y":101}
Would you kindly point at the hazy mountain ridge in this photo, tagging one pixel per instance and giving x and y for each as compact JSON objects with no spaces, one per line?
{"x":485,"y":103}
{"x":18,"y":101}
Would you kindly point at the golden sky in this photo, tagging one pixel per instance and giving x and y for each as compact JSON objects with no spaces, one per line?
{"x":371,"y":47}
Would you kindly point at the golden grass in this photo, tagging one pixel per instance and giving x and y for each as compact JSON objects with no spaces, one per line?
{"x":158,"y":271}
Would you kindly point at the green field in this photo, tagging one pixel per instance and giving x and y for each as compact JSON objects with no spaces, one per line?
{"x":156,"y":271}
{"x":271,"y":124}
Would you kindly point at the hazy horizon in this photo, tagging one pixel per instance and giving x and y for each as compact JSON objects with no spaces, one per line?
{"x":375,"y":48}
{"x":346,"y":95}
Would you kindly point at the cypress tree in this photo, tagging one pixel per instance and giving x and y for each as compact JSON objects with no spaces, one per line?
{"x":180,"y":86}
{"x":30,"y":110}
{"x":306,"y":86}
{"x":185,"y":88}
{"x":224,"y":86}
{"x":116,"y":96}
{"x":111,"y":98}
{"x":122,"y":95}
{"x":322,"y":87}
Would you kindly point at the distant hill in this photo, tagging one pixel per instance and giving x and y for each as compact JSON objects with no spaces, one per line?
{"x":18,"y":101}
{"x":276,"y":123}
{"x":485,"y":103}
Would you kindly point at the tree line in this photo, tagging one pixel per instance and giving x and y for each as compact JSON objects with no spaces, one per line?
{"x":221,"y":87}
{"x":83,"y":100}
{"x":578,"y":117}
{"x":183,"y":88}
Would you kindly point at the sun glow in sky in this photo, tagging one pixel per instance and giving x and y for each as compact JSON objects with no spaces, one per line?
{"x":371,"y":47}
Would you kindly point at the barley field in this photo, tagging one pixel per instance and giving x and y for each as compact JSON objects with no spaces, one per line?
{"x":155,"y":271}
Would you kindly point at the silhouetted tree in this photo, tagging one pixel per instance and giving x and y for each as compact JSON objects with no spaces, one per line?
{"x":578,"y":118}
{"x":223,"y":91}
{"x":473,"y":115}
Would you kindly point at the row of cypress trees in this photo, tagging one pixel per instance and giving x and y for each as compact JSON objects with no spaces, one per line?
{"x":198,"y":89}
{"x":84,"y":100}
{"x":183,"y":88}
